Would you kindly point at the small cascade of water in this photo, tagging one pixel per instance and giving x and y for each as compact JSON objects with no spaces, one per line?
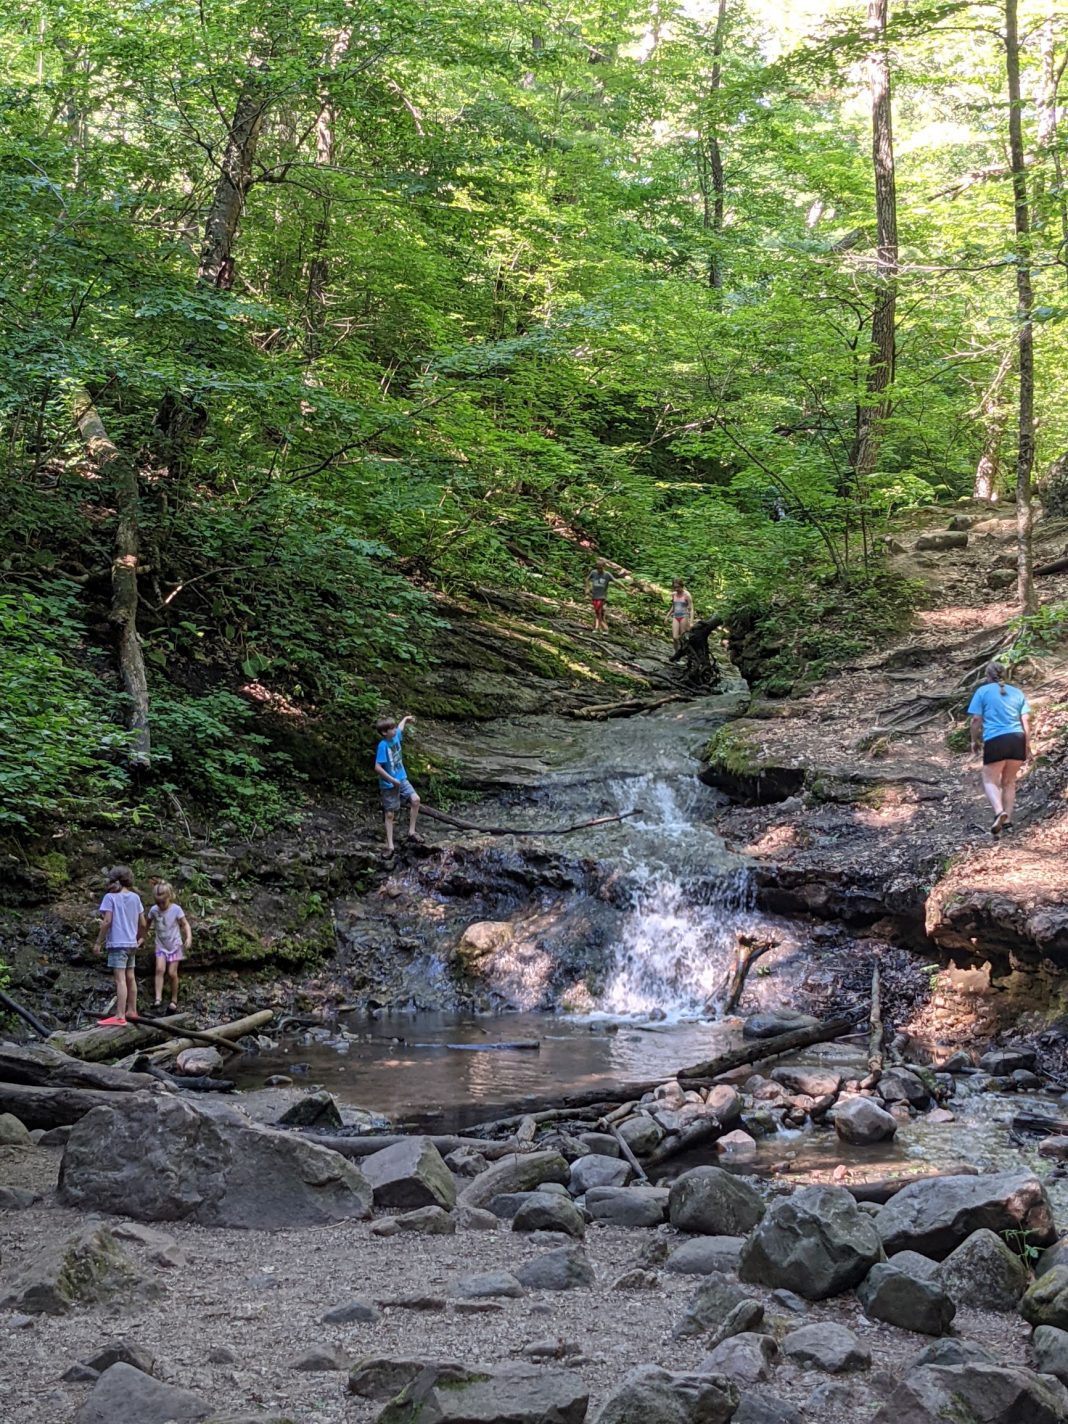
{"x":679,"y":932}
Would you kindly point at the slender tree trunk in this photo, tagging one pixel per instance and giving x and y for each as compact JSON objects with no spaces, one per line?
{"x":216,"y":267}
{"x":318,"y":264}
{"x":1048,"y":119}
{"x":872,"y":414}
{"x":1025,"y":340}
{"x":122,"y":476}
{"x":995,"y":417}
{"x":713,"y":190}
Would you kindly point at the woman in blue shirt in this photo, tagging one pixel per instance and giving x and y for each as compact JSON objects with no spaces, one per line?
{"x":1001,"y":723}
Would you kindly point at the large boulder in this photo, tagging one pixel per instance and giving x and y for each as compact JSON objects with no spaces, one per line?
{"x":861,"y":1122}
{"x":545,"y":1211}
{"x":564,"y":1268}
{"x":162,"y":1159}
{"x":706,"y":1255}
{"x":709,"y":1201}
{"x":651,"y":1395}
{"x":975,"y":1394}
{"x":984,"y":1274}
{"x":1050,"y":1347}
{"x":85,"y":1268}
{"x":123,"y":1395}
{"x":935,"y":1216}
{"x":411,"y":1173}
{"x":1046,"y":1302}
{"x":906,"y":1301}
{"x":817,"y":1243}
{"x":513,"y":1393}
{"x":519,"y":1172}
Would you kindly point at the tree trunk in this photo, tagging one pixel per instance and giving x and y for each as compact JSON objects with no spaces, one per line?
{"x":1025,"y":340}
{"x":1052,"y":74}
{"x":122,"y":475}
{"x":872,"y":413}
{"x":995,"y":418}
{"x":216,"y":267}
{"x":318,"y":263}
{"x":95,"y":1044}
{"x":714,"y":218}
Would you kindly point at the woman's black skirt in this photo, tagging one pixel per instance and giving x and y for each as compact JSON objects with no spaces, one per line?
{"x":1010,"y":746}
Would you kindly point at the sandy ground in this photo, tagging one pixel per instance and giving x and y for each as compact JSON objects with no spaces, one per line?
{"x":262,"y":1296}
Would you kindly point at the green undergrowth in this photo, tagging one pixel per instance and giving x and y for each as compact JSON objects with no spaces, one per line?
{"x":786,"y":637}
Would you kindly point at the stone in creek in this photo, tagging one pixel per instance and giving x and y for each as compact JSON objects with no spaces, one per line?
{"x":316,"y":1109}
{"x":597,"y":1171}
{"x":900,"y":1085}
{"x":516,"y":1392}
{"x":411,"y":1173}
{"x":861,"y":1122}
{"x":123,"y":1395}
{"x":983,"y":1274}
{"x":85,"y":1268}
{"x":1050,"y":1347}
{"x":747,"y":1358}
{"x":711,"y":1202}
{"x":636,"y":1279}
{"x":1001,"y":1062}
{"x":523,"y":1172}
{"x":358,"y":1311}
{"x":543,"y":1212}
{"x":1046,"y":1302}
{"x":651,"y":1395}
{"x":911,"y":1304}
{"x":773,"y":1022}
{"x":828,"y":1347}
{"x":566,"y":1268}
{"x":816,"y":1242}
{"x":15,"y":1199}
{"x":628,"y":1206}
{"x":813,"y":1082}
{"x":975,"y":1394}
{"x":486,"y":1284}
{"x":466,"y":1162}
{"x":941,"y":1116}
{"x":737,"y":1145}
{"x":641,"y":1134}
{"x":706,"y":1255}
{"x":603,"y":1143}
{"x":1055,"y":1147}
{"x":725,"y":1103}
{"x":935,"y":1216}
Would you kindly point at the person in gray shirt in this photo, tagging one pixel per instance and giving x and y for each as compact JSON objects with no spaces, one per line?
{"x":597,"y":581}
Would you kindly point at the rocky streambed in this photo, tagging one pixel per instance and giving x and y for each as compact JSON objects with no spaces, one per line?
{"x":171,"y":1261}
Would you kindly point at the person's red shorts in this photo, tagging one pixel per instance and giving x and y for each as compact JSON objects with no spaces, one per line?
{"x":598,"y":606}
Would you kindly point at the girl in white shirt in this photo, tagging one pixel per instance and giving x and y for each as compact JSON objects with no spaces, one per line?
{"x":173,"y":938}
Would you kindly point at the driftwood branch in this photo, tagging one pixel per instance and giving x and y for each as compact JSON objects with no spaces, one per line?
{"x":27,"y":1015}
{"x":747,"y":951}
{"x":875,"y":1037}
{"x":523,"y":830}
{"x":366,"y":1146}
{"x":237,"y":1029}
{"x":216,"y":1040}
{"x":628,"y":707}
{"x":1058,"y":566}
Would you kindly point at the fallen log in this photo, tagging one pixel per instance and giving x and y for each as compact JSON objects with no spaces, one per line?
{"x":696,"y":1134}
{"x":628,"y":707}
{"x":43,"y":1067}
{"x":367,"y":1146}
{"x":237,"y":1029}
{"x":1035,"y":1123}
{"x":882,"y":1190}
{"x":703,"y":1074}
{"x":875,"y":1037}
{"x":532,"y":1045}
{"x":214,"y":1038}
{"x":27,"y":1015}
{"x":94,"y":1044}
{"x":463,"y":825}
{"x":1056,"y":566}
{"x":193,"y":1085}
{"x":54,"y":1107}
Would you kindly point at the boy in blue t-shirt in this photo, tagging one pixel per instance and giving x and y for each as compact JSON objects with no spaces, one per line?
{"x":393,"y":783}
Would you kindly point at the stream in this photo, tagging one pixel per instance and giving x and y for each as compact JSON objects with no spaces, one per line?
{"x":608,"y":949}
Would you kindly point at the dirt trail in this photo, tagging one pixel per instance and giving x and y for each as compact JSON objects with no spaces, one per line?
{"x":891,"y":817}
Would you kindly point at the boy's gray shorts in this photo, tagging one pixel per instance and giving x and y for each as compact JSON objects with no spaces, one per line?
{"x":392,"y":796}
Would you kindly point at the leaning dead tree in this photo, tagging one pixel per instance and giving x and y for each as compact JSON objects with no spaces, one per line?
{"x":121,"y":474}
{"x":699,"y":668}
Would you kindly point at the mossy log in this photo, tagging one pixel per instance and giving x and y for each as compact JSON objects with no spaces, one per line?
{"x":95,"y":1044}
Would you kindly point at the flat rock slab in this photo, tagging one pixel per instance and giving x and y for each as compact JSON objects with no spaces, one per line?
{"x":705,"y":1255}
{"x":123,"y":1395}
{"x":628,"y":1206}
{"x":164,"y":1159}
{"x":514,"y":1393}
{"x":827,"y":1346}
{"x":85,"y":1268}
{"x":566,"y":1268}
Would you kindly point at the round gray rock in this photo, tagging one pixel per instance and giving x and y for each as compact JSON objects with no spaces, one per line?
{"x":709,"y":1201}
{"x":816,"y":1243}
